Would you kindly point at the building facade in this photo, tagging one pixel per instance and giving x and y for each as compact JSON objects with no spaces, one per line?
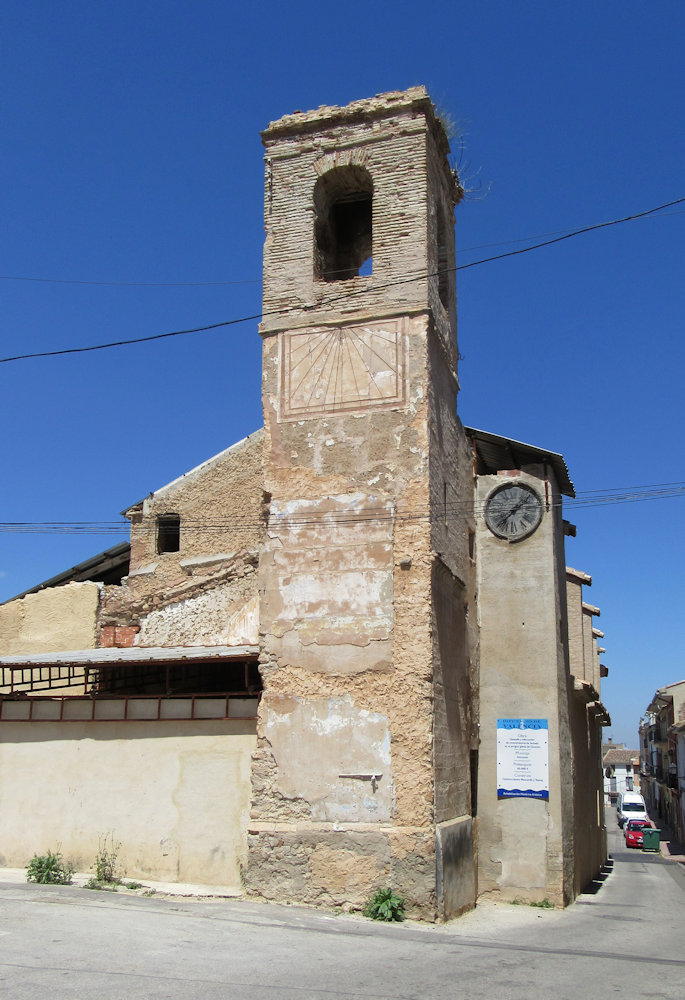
{"x":662,"y":769}
{"x":621,"y":771}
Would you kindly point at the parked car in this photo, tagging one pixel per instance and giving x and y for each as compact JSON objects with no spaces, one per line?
{"x":633,"y":831}
{"x":630,"y":805}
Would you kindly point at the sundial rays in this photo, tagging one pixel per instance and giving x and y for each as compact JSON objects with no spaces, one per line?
{"x":345,"y":368}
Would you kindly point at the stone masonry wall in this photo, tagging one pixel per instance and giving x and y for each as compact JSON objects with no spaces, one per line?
{"x":202,"y":594}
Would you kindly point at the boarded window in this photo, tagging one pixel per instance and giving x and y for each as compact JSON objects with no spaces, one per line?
{"x":343,"y":224}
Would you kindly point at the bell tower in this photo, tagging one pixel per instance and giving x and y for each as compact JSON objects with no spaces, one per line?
{"x":362,"y":775}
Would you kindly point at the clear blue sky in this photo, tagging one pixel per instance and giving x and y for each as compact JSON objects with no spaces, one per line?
{"x":131,"y":154}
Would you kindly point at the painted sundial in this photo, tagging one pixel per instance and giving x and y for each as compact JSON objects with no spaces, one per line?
{"x":337,"y":369}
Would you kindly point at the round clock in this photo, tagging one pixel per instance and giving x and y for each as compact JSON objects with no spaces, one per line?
{"x":513,"y":511}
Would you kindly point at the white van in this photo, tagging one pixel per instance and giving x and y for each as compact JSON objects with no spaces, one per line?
{"x":630,"y":805}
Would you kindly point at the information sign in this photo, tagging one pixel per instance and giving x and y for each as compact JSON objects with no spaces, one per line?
{"x":522,"y":759}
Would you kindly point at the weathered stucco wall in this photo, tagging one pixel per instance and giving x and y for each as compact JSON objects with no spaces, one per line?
{"x":53,"y":620}
{"x":575,"y":581}
{"x":589,"y":828}
{"x":453,"y":722}
{"x":206,"y":593}
{"x":590,"y":654}
{"x":343,"y":777}
{"x":525,"y":845}
{"x":454,"y":594}
{"x":329,"y":565}
{"x":176,"y":795}
{"x":59,"y":619}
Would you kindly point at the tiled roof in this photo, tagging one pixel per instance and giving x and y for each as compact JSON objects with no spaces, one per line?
{"x":620,"y":757}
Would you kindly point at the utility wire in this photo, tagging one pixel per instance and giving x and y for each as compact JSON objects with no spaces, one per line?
{"x":256,"y":281}
{"x":134,"y":340}
{"x":133,"y":284}
{"x":344,"y":296}
{"x":452,"y":511}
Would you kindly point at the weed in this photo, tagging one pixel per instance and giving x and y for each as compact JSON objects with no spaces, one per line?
{"x":49,"y":869}
{"x":133,"y":885}
{"x":106,"y":865}
{"x":542,"y":904}
{"x":149,"y":892}
{"x":384,"y":905}
{"x":93,"y":883}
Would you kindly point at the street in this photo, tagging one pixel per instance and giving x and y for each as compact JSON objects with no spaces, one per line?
{"x":625,"y":938}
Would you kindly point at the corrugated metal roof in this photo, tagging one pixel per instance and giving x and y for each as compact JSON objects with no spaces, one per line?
{"x":498,"y":453}
{"x":111,"y":656}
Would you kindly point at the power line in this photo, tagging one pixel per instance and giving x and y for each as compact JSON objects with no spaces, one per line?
{"x":134,"y":340}
{"x":452,"y":510}
{"x":131,"y":284}
{"x":344,"y":296}
{"x":575,"y":232}
{"x":256,"y":281}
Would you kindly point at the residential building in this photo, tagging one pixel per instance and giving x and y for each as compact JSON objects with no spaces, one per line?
{"x":621,"y":771}
{"x":661,"y":773}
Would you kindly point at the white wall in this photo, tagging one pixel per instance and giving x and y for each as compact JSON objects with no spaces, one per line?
{"x":175,"y":794}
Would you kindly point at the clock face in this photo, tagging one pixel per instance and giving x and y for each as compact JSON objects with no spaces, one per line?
{"x":342,"y":369}
{"x":513,"y":511}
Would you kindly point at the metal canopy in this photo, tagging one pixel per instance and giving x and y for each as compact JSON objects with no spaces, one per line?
{"x":115,"y":656}
{"x":496,"y":453}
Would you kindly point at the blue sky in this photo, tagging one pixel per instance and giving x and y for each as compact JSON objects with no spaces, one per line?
{"x":132,"y":168}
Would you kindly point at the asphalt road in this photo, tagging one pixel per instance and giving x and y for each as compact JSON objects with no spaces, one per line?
{"x":624,"y":939}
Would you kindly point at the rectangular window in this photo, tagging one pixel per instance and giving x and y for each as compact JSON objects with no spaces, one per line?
{"x":168,"y":533}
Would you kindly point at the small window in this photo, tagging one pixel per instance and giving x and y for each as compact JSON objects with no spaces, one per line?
{"x":343,"y":224}
{"x":168,"y":533}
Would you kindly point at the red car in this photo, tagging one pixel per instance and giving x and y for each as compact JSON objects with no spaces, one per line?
{"x":633,"y":831}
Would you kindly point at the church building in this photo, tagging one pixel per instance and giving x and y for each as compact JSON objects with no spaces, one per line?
{"x":376,"y":668}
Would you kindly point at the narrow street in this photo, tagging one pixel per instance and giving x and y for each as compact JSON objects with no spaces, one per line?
{"x":625,"y":938}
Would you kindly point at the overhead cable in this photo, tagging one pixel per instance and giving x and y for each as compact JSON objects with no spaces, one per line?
{"x":344,"y":296}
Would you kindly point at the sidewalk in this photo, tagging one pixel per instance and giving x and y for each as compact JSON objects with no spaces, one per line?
{"x":16,"y":876}
{"x":671,"y":848}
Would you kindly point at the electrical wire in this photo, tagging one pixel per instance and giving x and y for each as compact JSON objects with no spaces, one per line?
{"x":452,"y":511}
{"x":369,"y":289}
{"x":256,"y":281}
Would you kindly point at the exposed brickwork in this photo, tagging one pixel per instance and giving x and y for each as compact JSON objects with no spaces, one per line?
{"x":118,"y":635}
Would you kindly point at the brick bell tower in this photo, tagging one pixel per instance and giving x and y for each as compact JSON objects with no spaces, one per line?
{"x":362,"y":774}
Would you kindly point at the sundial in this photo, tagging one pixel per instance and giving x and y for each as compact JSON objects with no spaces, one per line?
{"x":342,"y":368}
